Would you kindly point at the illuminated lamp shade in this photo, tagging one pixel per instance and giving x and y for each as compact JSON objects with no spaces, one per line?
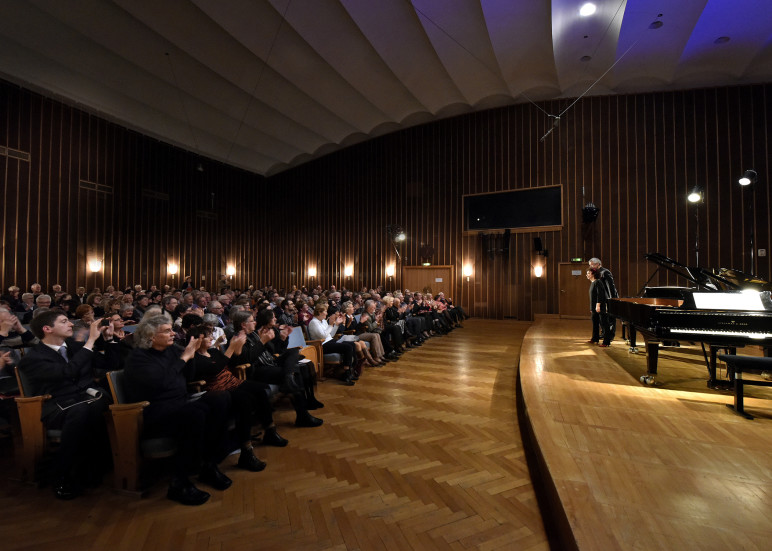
{"x":311,"y":272}
{"x":173,"y":268}
{"x":538,"y":271}
{"x":348,"y":271}
{"x":695,"y":196}
{"x":95,"y":265}
{"x":468,"y":270}
{"x":390,"y":271}
{"x":230,"y":270}
{"x":749,"y":177}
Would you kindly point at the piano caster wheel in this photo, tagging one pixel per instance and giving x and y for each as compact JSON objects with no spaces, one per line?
{"x":647,"y":379}
{"x":633,"y":350}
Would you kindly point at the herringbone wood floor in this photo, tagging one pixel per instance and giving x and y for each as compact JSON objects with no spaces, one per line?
{"x":424,"y":453}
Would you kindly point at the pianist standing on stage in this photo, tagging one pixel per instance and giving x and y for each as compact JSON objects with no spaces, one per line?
{"x":610,"y":329}
{"x":598,"y":297}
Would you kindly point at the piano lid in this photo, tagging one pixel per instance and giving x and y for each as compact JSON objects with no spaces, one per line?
{"x":745,"y":281}
{"x":704,"y":278}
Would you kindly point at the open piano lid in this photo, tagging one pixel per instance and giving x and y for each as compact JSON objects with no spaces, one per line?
{"x":703,"y":278}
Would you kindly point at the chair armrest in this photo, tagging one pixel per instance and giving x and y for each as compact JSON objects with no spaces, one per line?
{"x":241,"y":371}
{"x":195,"y":386}
{"x":135,"y":406}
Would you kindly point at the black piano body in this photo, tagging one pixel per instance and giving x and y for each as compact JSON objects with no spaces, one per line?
{"x":678,"y":314}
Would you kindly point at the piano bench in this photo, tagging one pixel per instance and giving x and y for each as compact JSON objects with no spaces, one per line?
{"x":736,"y":366}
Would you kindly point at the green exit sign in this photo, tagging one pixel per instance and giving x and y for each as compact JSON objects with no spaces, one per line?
{"x":576,"y":259}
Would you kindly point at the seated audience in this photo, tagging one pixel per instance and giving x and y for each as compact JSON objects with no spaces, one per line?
{"x":284,"y":371}
{"x":157,"y":372}
{"x":65,"y":368}
{"x":322,"y":329}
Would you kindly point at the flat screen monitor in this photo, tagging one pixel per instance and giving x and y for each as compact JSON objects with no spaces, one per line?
{"x":536,"y":208}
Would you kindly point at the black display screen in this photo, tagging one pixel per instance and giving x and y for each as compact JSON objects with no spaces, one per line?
{"x":517,"y":209}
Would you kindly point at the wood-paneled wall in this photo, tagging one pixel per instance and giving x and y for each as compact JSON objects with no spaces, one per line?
{"x":636,"y":157}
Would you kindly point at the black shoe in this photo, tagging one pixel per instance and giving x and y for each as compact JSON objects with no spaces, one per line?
{"x":212,"y":476}
{"x":313,"y":403}
{"x":308,"y":420}
{"x":187,"y":494}
{"x":249,"y":462}
{"x":393,"y":356}
{"x":67,"y":490}
{"x":273,"y":438}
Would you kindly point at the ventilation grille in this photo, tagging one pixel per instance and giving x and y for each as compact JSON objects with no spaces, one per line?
{"x":14,"y":153}
{"x":206,"y":214}
{"x":153,"y":194}
{"x":93,"y":186}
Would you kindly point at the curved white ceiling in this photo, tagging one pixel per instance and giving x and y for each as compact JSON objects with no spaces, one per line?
{"x":268,"y":84}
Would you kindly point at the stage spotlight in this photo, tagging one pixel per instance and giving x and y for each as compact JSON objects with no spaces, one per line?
{"x":749,"y":177}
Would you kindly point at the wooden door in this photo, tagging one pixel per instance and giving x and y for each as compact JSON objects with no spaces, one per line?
{"x":429,"y":279}
{"x":574,"y":290}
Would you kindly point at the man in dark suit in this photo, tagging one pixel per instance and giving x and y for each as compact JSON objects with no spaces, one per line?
{"x":65,"y":369}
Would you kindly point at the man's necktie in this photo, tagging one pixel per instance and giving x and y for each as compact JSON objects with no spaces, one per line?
{"x":63,"y":353}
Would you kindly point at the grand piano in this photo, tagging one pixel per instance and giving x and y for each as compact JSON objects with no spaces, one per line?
{"x":724,"y":309}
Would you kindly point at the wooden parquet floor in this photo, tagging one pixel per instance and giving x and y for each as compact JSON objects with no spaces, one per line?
{"x":424,"y":453}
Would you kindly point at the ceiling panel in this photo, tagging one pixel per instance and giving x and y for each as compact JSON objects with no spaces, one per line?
{"x":269,"y":84}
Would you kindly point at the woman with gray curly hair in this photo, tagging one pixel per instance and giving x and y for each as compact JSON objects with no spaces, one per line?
{"x":157,"y":372}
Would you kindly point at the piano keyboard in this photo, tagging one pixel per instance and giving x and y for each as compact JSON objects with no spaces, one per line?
{"x":718,"y":333}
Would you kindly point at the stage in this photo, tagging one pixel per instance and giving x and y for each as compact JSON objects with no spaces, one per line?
{"x":628,"y":466}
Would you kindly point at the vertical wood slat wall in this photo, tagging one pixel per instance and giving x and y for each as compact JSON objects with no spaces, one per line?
{"x":636,"y":157}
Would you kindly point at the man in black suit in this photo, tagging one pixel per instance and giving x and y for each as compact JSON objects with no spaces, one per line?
{"x":607,"y":279}
{"x":65,"y":369}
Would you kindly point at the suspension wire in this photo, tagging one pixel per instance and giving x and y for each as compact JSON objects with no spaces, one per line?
{"x":259,"y":78}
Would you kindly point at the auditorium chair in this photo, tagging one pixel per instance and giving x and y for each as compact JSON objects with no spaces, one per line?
{"x":36,"y":440}
{"x":128,"y":446}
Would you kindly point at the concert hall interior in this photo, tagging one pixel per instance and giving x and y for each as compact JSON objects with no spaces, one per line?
{"x":288,"y":143}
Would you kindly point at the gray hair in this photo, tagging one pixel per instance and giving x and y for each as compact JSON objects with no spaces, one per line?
{"x":345,"y":305}
{"x":368,"y":302}
{"x":594,"y":260}
{"x":148,"y":327}
{"x":127,"y":306}
{"x":42,"y":297}
{"x":210,"y":319}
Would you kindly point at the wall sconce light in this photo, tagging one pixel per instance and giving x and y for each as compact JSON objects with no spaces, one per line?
{"x":539,"y":248}
{"x":311,"y":271}
{"x":695,"y":196}
{"x":390,"y":270}
{"x":230,"y":271}
{"x":172,"y":269}
{"x":95,"y":265}
{"x":468,"y":270}
{"x":749,"y":177}
{"x":538,"y":271}
{"x":348,"y":271}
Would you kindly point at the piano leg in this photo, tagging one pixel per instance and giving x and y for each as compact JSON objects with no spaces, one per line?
{"x":652,"y":355}
{"x":633,"y":349}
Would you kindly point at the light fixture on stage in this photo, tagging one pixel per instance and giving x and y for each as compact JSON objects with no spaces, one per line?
{"x":94,"y":265}
{"x":695,"y":196}
{"x":749,"y":177}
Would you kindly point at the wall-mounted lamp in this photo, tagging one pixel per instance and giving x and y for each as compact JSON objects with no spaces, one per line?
{"x":749,"y":177}
{"x":390,"y":270}
{"x":695,"y":196}
{"x":95,"y":265}
{"x":311,"y":271}
{"x":538,"y":271}
{"x":468,"y":270}
{"x":348,"y":271}
{"x":230,"y":271}
{"x":539,"y":248}
{"x":172,"y":269}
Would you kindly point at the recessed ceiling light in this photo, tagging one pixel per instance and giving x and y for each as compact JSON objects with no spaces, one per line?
{"x":656,"y":25}
{"x":721,"y":40}
{"x":587,"y":9}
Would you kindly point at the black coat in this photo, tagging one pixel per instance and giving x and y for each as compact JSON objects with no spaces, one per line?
{"x":47,"y":372}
